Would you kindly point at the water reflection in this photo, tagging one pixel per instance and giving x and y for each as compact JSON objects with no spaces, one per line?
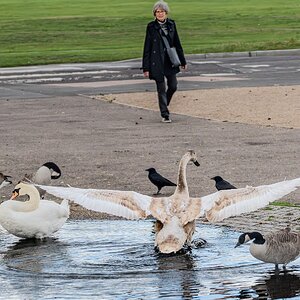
{"x":29,"y":264}
{"x":36,"y":256}
{"x":177,"y":272}
{"x":116,"y":260}
{"x":278,"y":286}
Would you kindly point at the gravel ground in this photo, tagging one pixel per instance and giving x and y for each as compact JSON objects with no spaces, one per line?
{"x":105,"y":144}
{"x":269,"y":106}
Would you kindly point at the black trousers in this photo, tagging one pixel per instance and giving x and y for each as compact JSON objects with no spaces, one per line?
{"x":165,"y":94}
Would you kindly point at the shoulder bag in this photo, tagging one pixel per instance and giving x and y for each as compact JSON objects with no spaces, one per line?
{"x":172,"y":53}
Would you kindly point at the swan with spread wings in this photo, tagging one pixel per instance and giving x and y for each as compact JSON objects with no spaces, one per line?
{"x":177,"y":213}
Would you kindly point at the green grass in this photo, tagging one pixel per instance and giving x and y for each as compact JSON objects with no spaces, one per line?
{"x":63,"y":31}
{"x":284,"y":204}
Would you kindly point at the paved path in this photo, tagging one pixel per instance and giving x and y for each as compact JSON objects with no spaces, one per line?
{"x":46,"y":116}
{"x":267,"y":68}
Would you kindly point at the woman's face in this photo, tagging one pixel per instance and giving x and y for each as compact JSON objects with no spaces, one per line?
{"x":160,"y":14}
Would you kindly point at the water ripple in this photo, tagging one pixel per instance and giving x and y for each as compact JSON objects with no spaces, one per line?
{"x":116,"y":260}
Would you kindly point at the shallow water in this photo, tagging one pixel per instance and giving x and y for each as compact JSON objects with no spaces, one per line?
{"x":116,"y":260}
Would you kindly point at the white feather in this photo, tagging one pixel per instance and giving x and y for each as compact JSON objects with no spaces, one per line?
{"x":180,"y":207}
{"x":126,"y":204}
{"x":227,"y":203}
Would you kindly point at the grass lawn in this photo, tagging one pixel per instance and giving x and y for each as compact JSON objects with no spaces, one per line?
{"x":63,"y":31}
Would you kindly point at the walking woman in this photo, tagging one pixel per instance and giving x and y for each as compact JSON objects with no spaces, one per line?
{"x":156,"y":62}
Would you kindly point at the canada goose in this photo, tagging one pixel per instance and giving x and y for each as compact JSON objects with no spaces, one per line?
{"x":47,"y":172}
{"x":177,"y":213}
{"x":280,"y":247}
{"x":158,"y":180}
{"x":34,"y":218}
{"x":4,"y":180}
{"x":222,"y":184}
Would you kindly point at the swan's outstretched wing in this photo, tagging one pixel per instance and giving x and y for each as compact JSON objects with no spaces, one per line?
{"x":223,"y":204}
{"x":126,"y":204}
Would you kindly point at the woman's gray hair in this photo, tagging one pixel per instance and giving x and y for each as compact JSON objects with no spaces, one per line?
{"x":162,"y":5}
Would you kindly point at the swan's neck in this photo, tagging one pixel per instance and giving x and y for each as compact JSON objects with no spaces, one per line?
{"x":32,"y":203}
{"x":182,"y":186}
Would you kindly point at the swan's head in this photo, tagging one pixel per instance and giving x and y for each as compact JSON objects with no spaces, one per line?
{"x":22,"y":189}
{"x":193,"y":157}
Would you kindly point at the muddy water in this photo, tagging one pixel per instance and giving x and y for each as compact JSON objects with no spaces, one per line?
{"x":116,"y":260}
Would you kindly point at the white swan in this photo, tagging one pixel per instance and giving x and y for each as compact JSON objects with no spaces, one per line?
{"x":177,"y":213}
{"x":4,"y":180}
{"x":280,"y":247}
{"x":34,"y":218}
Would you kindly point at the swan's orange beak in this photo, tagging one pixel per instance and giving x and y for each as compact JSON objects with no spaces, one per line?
{"x":14,"y":195}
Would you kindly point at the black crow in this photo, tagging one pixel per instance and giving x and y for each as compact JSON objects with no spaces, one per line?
{"x":222,"y":184}
{"x":158,"y":180}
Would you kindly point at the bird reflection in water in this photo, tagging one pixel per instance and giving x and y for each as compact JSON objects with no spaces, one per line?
{"x":178,"y":277}
{"x":34,"y":255}
{"x":278,"y":286}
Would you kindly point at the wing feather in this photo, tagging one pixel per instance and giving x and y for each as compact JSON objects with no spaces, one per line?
{"x":126,"y":204}
{"x":227,"y":203}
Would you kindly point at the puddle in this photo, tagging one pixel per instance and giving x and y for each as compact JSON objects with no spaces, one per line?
{"x":115,"y":260}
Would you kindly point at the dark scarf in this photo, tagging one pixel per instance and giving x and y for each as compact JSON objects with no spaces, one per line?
{"x":164,"y":26}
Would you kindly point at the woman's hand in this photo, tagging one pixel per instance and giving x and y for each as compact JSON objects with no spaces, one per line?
{"x":146,"y":74}
{"x":184,"y":67}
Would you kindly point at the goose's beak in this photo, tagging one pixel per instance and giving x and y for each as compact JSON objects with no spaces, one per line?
{"x":237,"y":244}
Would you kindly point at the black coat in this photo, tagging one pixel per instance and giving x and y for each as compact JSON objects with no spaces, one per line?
{"x":155,"y":59}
